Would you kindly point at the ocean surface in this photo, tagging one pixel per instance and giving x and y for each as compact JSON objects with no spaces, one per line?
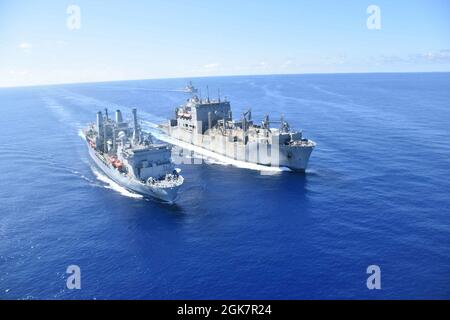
{"x":377,"y":192}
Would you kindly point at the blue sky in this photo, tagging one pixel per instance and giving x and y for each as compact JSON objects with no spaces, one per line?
{"x":120,"y":40}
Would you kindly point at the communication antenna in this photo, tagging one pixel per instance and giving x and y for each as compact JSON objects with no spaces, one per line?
{"x":207,"y":91}
{"x":218,"y":93}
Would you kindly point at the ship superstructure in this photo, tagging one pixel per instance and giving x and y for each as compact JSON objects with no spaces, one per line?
{"x":209,"y":124}
{"x":128,"y":156}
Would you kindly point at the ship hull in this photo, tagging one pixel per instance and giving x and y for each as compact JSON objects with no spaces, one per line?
{"x":296,"y":157}
{"x":168,"y":194}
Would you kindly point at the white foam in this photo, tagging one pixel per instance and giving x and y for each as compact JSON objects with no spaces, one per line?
{"x":82,"y":176}
{"x":81,"y":134}
{"x":61,"y":112}
{"x":110,"y":184}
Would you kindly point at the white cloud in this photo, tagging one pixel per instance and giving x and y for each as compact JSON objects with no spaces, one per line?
{"x":62,"y":43}
{"x":287,"y":64}
{"x":19,"y":73}
{"x":431,"y":57}
{"x":25,"y":45}
{"x":439,"y":56}
{"x":211,"y":66}
{"x":262,"y":64}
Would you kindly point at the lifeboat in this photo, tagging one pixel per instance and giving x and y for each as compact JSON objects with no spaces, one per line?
{"x":117,"y":164}
{"x":112,"y":159}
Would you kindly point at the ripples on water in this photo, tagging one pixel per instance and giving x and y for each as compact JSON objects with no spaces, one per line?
{"x":376,"y":192}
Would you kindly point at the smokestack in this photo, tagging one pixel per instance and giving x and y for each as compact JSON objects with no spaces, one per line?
{"x":136,"y":126}
{"x":99,"y":123}
{"x":267,"y":122}
{"x":209,"y":122}
{"x":244,"y":129}
{"x":119,"y":118}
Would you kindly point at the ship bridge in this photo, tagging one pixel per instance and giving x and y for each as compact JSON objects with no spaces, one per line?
{"x":200,"y":115}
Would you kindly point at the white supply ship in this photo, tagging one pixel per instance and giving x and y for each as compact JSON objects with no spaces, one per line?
{"x":209,"y":124}
{"x":130,"y":158}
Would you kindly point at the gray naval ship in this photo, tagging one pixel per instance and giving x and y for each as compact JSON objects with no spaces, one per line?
{"x":209,"y":124}
{"x":190,"y":88}
{"x":128,"y":156}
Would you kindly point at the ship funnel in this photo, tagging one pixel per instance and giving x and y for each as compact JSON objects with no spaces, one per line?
{"x":136,"y":126}
{"x":266,"y":123}
{"x":119,"y":118}
{"x":99,"y":122}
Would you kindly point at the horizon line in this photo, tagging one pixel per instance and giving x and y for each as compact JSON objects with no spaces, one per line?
{"x":216,"y":76}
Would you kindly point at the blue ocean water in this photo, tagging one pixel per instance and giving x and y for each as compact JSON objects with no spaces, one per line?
{"x":376,"y":192}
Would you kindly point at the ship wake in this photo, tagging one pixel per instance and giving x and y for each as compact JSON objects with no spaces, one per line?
{"x":110,"y":184}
